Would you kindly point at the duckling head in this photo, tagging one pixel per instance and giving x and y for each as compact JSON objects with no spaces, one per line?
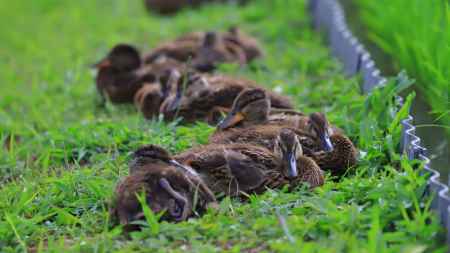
{"x":250,"y":107}
{"x":289,"y":149}
{"x":166,"y":189}
{"x":234,"y":30}
{"x":320,"y":127}
{"x":151,"y":154}
{"x":210,"y":39}
{"x":122,"y":58}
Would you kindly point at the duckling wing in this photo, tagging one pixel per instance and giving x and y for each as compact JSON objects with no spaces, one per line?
{"x":343,"y":156}
{"x":249,"y":175}
{"x":310,"y":172}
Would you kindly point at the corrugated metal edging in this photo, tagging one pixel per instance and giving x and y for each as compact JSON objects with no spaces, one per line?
{"x":328,"y":16}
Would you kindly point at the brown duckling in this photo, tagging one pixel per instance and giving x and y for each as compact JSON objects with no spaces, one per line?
{"x":214,"y":51}
{"x":118,"y":76}
{"x":202,"y":95}
{"x":181,"y":50}
{"x":166,"y":186}
{"x":161,"y":67}
{"x":249,"y":44}
{"x":236,"y":168}
{"x":308,"y":170}
{"x":253,"y":107}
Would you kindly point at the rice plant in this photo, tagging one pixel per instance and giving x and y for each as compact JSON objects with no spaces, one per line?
{"x":416,"y":34}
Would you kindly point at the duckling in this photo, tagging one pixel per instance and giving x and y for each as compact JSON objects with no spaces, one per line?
{"x":204,"y":95}
{"x":166,"y":186}
{"x":249,"y":44}
{"x":214,"y":51}
{"x":118,"y":77}
{"x":161,"y":67}
{"x":236,"y":168}
{"x":308,"y":170}
{"x":253,"y":107}
{"x":181,"y":50}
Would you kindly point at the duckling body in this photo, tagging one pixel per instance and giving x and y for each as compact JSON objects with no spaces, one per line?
{"x":181,"y":51}
{"x":162,"y":66}
{"x":214,"y":51}
{"x":250,"y":45}
{"x":342,"y":157}
{"x":265,"y":136}
{"x":229,"y":175}
{"x":196,"y":36}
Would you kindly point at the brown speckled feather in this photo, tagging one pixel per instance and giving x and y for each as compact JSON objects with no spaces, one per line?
{"x":211,"y":163}
{"x":263,"y":135}
{"x":340,"y":159}
{"x":310,"y":172}
{"x":219,"y":91}
{"x":178,"y":50}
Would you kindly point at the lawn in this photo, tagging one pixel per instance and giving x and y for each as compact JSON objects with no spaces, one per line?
{"x":63,"y":154}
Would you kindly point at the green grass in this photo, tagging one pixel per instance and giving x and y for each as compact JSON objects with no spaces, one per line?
{"x":416,"y":35}
{"x":66,"y":154}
